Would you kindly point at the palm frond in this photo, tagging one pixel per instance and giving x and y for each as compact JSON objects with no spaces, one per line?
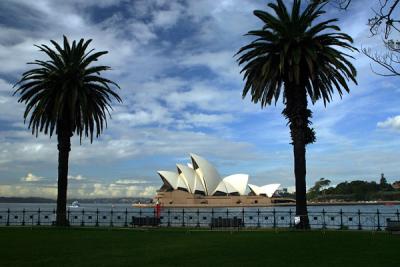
{"x":67,"y":89}
{"x":294,"y":49}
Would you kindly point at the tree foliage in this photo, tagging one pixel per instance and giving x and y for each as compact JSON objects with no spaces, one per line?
{"x":355,"y":190}
{"x":318,"y":186}
{"x":66,"y":91}
{"x":384,"y":21}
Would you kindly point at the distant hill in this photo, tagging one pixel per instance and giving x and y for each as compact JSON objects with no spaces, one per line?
{"x":26,"y":200}
{"x":127,"y":200}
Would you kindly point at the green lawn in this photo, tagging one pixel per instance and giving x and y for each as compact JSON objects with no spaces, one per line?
{"x":180,"y":247}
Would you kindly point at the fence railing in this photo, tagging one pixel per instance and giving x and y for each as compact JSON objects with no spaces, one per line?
{"x":189,"y":217}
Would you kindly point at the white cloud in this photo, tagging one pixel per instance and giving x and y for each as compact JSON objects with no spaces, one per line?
{"x":97,"y":190}
{"x":391,"y":123}
{"x":204,"y":97}
{"x":28,"y":149}
{"x":142,"y":32}
{"x":131,"y":181}
{"x":115,"y":190}
{"x":31,"y":178}
{"x":98,"y":3}
{"x":10,"y":109}
{"x":222,"y":63}
{"x":27,"y":191}
{"x":77,"y":177}
{"x":155,"y":114}
{"x":207,"y":120}
{"x":166,"y":18}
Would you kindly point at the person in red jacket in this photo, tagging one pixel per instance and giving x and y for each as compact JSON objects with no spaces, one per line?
{"x":157,"y":209}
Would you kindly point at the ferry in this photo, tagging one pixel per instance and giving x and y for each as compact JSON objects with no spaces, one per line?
{"x":75,"y":204}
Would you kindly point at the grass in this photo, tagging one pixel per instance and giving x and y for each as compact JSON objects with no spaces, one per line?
{"x":182,"y":247}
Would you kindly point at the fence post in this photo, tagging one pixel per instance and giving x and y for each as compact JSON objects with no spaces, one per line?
{"x":97,"y":217}
{"x":212,"y":217}
{"x":23,"y":217}
{"x":126,"y":217}
{"x":274,"y":212}
{"x":8,"y":217}
{"x":111,"y":219}
{"x":38,"y":222}
{"x":53,"y":219}
{"x":83,"y":218}
{"x":379,"y":224}
{"x":323,"y":219}
{"x":198,"y":218}
{"x":290,"y":218}
{"x":243,"y":217}
{"x":341,"y":219}
{"x":68,"y":213}
{"x":227,"y":218}
{"x":183,"y":217}
{"x":258,"y":218}
{"x":169,"y":217}
{"x":359,"y":220}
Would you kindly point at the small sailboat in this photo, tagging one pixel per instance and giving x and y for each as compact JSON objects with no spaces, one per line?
{"x":74,"y":204}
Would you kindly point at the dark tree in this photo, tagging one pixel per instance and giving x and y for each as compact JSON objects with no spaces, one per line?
{"x":304,"y":60}
{"x":383,"y":180}
{"x":315,"y":191}
{"x":384,"y":185}
{"x":384,"y":21}
{"x":66,"y":95}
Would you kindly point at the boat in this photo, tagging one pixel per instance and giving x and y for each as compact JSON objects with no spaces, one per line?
{"x":74,"y":204}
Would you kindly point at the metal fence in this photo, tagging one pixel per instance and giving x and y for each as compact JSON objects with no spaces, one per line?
{"x":189,"y":217}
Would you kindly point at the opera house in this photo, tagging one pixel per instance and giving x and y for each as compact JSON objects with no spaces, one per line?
{"x":199,"y":183}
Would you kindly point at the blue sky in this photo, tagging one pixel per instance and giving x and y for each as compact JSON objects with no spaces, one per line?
{"x":181,"y":89}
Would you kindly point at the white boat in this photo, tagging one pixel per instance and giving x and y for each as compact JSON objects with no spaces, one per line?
{"x":75,"y":204}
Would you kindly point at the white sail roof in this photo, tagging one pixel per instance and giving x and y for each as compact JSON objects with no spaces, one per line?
{"x":182,"y":183}
{"x":238,"y":181}
{"x":170,"y":177}
{"x":230,"y":188}
{"x":208,"y":174}
{"x":189,"y":175}
{"x":270,"y":189}
{"x":220,"y":188}
{"x":198,"y":186}
{"x":255,"y":189}
{"x":201,"y":176}
{"x":225,"y":187}
{"x":267,"y":190}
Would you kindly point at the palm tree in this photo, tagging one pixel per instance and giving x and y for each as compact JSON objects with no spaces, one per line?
{"x":295,"y":53}
{"x":65,"y":95}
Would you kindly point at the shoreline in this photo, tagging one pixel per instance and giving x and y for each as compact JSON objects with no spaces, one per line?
{"x":351,"y":203}
{"x":151,"y":205}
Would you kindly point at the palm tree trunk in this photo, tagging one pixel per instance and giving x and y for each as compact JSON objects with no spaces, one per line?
{"x":299,"y":151}
{"x":64,"y":147}
{"x":298,"y":115}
